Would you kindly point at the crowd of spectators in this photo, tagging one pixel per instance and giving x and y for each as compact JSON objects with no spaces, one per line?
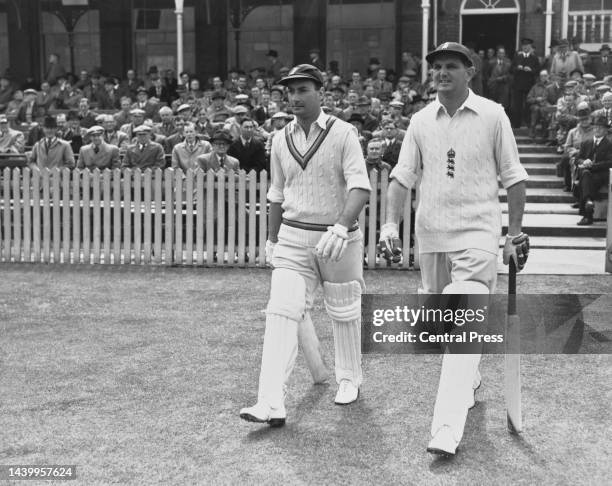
{"x":160,"y":120}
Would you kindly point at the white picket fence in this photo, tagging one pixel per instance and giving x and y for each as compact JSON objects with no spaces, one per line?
{"x":152,"y":217}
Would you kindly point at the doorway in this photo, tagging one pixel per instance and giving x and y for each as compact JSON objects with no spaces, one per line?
{"x":490,"y":30}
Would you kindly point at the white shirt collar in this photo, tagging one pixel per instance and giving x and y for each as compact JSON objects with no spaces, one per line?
{"x":321,"y":121}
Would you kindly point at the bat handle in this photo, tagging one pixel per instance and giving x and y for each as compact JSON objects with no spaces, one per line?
{"x":512,"y":288}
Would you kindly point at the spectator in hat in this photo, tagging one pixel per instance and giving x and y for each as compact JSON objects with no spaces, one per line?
{"x":373,"y":65}
{"x":185,"y":154}
{"x":249,"y":150}
{"x":541,"y":101}
{"x":565,"y":60}
{"x":525,"y":67}
{"x":581,"y":132}
{"x":315,"y":59}
{"x":29,"y":111}
{"x":217,"y":105}
{"x":594,"y":162}
{"x":11,"y":141}
{"x":74,"y":133}
{"x":185,"y":112}
{"x":144,"y":154}
{"x":278,"y":122}
{"x":219,"y":158}
{"x":51,"y":151}
{"x":274,"y":65}
{"x":396,"y":109}
{"x":109,"y":98}
{"x":98,"y":154}
{"x":500,"y":78}
{"x":232,"y":124}
{"x":54,"y":69}
{"x":601,"y":65}
{"x":6,"y":92}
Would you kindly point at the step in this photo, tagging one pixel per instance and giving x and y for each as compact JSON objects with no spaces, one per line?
{"x":536,"y":149}
{"x":523,"y":131}
{"x":545,"y":208}
{"x":543,"y":181}
{"x":537,"y":168}
{"x":548,"y":158}
{"x":542,"y":195}
{"x":563,"y":243}
{"x":558,"y":225}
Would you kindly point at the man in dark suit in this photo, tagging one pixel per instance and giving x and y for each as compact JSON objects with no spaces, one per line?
{"x":525,"y":67}
{"x":159,"y":91}
{"x":593,"y":162}
{"x":98,"y":154}
{"x":500,"y":78}
{"x":602,"y":66}
{"x":250,"y":151}
{"x":392,"y":142}
{"x":218,"y":158}
{"x":144,"y":154}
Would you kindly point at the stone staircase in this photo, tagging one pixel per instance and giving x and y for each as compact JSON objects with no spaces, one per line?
{"x":548,"y":218}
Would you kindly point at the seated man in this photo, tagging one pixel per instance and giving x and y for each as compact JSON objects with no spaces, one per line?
{"x":113,"y":136}
{"x":575,"y":137}
{"x":98,"y":154}
{"x":540,"y":104}
{"x":51,"y":151}
{"x":185,"y":154}
{"x":11,"y":141}
{"x":593,"y":162}
{"x":218,"y":158}
{"x":166,"y":126}
{"x":144,"y":154}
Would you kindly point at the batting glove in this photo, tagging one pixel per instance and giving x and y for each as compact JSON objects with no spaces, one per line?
{"x":269,"y":251}
{"x":517,"y":248}
{"x":390,"y":245}
{"x":333,"y":243}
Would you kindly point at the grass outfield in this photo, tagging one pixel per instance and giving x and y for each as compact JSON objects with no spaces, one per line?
{"x":137,"y":375}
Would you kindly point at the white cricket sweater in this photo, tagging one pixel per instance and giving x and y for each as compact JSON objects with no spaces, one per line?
{"x":317,"y":192}
{"x":459,"y":211}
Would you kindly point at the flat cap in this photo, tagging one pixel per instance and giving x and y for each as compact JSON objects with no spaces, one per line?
{"x":95,"y":130}
{"x":3,"y":119}
{"x":221,"y":135}
{"x":303,"y":72}
{"x":144,"y":128}
{"x":183,"y":107}
{"x":141,"y":89}
{"x":238,"y":109}
{"x":396,"y":104}
{"x":282,"y":114}
{"x":30,"y":91}
{"x":137,"y":111}
{"x":452,"y":48}
{"x":601,"y":121}
{"x":217,"y":95}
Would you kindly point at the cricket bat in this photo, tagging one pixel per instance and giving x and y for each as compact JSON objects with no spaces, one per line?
{"x":512,"y":370}
{"x":309,"y":343}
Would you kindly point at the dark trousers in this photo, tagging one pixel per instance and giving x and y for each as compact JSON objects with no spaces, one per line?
{"x":519,"y":107}
{"x":591,"y":183}
{"x":566,"y":172}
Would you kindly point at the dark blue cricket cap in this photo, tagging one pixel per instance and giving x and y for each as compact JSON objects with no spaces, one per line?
{"x":303,"y":71}
{"x":451,"y":48}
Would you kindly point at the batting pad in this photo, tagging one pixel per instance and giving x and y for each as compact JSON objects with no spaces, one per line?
{"x":287,"y":294}
{"x":343,"y":303}
{"x":466,"y":287}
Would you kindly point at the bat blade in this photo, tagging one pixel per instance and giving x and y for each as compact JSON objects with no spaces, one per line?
{"x":309,"y":343}
{"x":512,"y":376}
{"x":512,"y":363}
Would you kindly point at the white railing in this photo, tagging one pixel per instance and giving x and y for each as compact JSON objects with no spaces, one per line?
{"x":591,"y":27}
{"x":152,"y":217}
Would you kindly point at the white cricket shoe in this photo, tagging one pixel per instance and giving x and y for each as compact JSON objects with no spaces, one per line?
{"x":443,"y":443}
{"x":347,"y":393}
{"x":262,"y":413}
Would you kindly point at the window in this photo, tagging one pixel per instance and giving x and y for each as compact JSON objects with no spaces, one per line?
{"x":154,"y":27}
{"x":255,"y":29}
{"x":358,"y":30}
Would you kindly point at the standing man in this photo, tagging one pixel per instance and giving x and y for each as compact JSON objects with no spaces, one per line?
{"x":525,"y":68}
{"x":319,"y":187}
{"x":185,"y":154}
{"x":11,"y":141}
{"x":50,"y":152}
{"x":602,"y":66}
{"x":565,"y":61}
{"x":457,"y":145}
{"x":500,"y":78}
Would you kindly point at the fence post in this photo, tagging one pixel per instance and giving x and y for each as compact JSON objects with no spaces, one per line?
{"x":210,"y":217}
{"x":263,"y":216}
{"x":86,"y":217}
{"x":17,"y":227}
{"x":200,"y":217}
{"x":231,"y":218}
{"x":46,"y":236}
{"x":609,"y":226}
{"x":157,"y":248}
{"x":241,"y":217}
{"x":178,"y":216}
{"x":127,"y":218}
{"x":169,"y":212}
{"x":66,"y":215}
{"x":27,"y":213}
{"x":189,"y":217}
{"x":6,"y":196}
{"x":221,"y":174}
{"x":116,"y":173}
